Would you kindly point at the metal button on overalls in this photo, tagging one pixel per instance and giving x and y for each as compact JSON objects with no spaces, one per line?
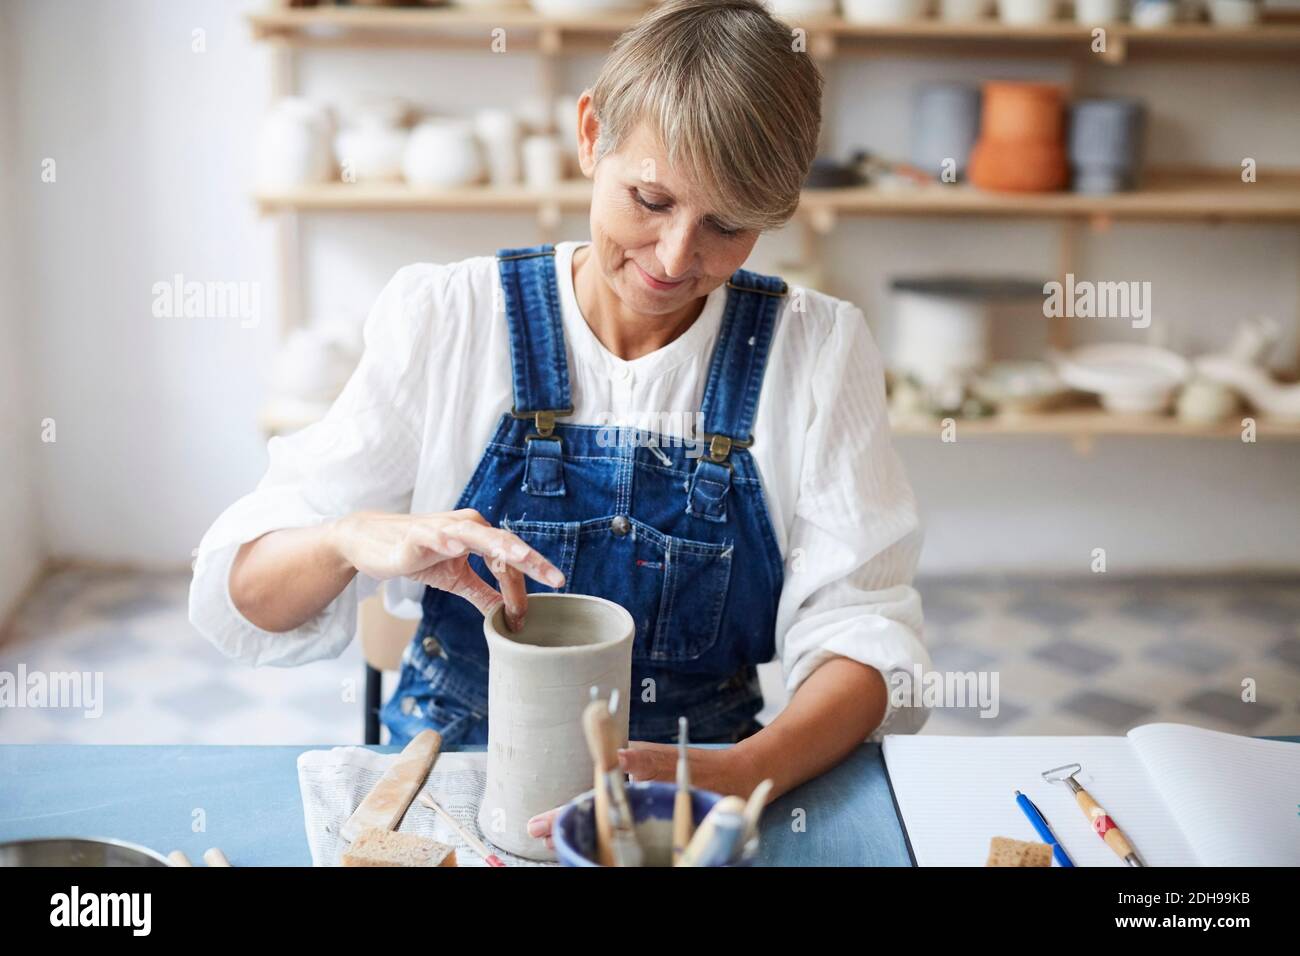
{"x":620,"y":525}
{"x":431,"y":646}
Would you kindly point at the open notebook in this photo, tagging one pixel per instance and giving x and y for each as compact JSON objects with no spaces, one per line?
{"x":1184,"y":796}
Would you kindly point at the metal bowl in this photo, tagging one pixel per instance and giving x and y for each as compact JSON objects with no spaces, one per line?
{"x":73,"y":851}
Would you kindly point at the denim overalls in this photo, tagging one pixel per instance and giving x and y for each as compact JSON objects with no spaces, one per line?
{"x":677,"y":533}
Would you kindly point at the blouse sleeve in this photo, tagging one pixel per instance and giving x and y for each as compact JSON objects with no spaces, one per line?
{"x":364,"y":454}
{"x":856,"y":537}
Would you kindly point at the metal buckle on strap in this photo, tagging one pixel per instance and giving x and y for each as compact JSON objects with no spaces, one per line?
{"x":720,"y":447}
{"x":543,"y":420}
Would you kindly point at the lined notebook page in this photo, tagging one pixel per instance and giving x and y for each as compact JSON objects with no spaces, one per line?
{"x":956,"y":793}
{"x":1236,"y":798}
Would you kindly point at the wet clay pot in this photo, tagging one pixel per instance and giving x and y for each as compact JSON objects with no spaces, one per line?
{"x":539,"y":683}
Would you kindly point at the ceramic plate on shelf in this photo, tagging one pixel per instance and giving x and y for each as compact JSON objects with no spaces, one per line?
{"x":1139,"y":379}
{"x":1019,"y":386}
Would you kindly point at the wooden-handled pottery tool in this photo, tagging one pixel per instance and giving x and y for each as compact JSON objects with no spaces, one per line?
{"x":616,"y":818}
{"x":683,"y":817}
{"x":720,"y":836}
{"x":1101,"y":822}
{"x":214,"y":857}
{"x":386,"y":804}
{"x":490,"y":858}
{"x":754,"y":807}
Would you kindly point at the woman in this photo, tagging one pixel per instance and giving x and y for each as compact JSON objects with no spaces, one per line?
{"x":779,"y":523}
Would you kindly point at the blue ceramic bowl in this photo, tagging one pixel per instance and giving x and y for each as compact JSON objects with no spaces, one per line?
{"x":652,"y":809}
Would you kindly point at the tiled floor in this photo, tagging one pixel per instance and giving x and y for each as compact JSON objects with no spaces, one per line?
{"x":1088,"y":656}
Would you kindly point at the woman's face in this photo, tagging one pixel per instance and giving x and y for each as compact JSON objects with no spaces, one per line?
{"x":659,"y":244}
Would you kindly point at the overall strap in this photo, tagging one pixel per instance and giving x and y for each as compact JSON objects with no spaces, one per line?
{"x":540,"y":368}
{"x":532,"y":303}
{"x":735,"y":380}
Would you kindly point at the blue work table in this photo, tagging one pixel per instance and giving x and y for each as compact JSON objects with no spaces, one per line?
{"x":250,"y":805}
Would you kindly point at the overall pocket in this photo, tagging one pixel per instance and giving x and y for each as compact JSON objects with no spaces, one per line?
{"x":697,"y":576}
{"x":557,"y":541}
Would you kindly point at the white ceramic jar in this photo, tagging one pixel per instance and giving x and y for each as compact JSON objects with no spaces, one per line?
{"x":1022,"y":13}
{"x":1095,"y":12}
{"x":442,"y":154}
{"x":1234,"y":13}
{"x":543,"y":162}
{"x":539,"y":684}
{"x":498,"y":131}
{"x":964,"y":11}
{"x":884,"y":11}
{"x":294,"y":147}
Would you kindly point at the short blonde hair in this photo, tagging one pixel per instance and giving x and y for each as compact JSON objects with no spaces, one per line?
{"x":736,"y":108}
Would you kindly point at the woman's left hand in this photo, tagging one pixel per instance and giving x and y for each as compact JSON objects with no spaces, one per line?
{"x":722,"y":770}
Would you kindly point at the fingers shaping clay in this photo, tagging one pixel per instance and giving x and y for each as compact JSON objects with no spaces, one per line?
{"x":539,"y":683}
{"x":385,"y":805}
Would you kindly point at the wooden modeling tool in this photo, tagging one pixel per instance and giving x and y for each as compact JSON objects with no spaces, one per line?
{"x":386,"y":804}
{"x":720,"y":836}
{"x":490,"y":858}
{"x":603,"y":741}
{"x":1101,"y":822}
{"x":178,"y":858}
{"x":214,"y":857}
{"x":604,"y":825}
{"x":683,"y":817}
{"x":754,"y":807}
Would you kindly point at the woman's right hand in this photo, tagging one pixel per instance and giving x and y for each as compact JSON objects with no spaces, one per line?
{"x":434,"y":549}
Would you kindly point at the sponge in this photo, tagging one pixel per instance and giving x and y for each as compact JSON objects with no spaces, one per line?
{"x":1004,"y":851}
{"x":377,"y":847}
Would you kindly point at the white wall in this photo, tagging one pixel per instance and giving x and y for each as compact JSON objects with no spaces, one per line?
{"x":21,"y":551}
{"x":156,"y":416}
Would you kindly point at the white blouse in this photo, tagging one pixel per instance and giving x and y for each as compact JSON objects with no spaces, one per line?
{"x":409,"y":428}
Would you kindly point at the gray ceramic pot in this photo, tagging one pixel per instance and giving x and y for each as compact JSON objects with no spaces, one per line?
{"x":539,"y":683}
{"x":1106,"y":140}
{"x":945,"y":125}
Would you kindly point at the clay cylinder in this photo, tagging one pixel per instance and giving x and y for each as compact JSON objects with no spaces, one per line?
{"x":539,"y":682}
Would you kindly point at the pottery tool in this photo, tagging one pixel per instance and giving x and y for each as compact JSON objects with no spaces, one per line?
{"x":683,"y":818}
{"x":214,"y":857}
{"x":490,"y":858}
{"x":754,"y":807}
{"x":1101,"y":822}
{"x":1040,"y":824}
{"x":618,"y":844}
{"x":177,"y":858}
{"x":720,"y":836}
{"x":385,"y":805}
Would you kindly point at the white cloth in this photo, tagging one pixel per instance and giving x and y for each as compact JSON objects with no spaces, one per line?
{"x":409,"y":428}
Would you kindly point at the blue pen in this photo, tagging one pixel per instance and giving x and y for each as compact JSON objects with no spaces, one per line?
{"x":1040,"y":824}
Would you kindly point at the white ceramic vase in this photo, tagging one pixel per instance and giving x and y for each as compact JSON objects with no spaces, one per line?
{"x":371,"y":152}
{"x":442,"y":154}
{"x":498,"y":132}
{"x":539,"y":683}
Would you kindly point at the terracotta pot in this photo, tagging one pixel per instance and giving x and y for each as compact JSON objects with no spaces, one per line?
{"x":1025,"y":166}
{"x":1021,"y":111}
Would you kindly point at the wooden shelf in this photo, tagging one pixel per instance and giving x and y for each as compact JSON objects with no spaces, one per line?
{"x":380,"y":197}
{"x":1190,"y":195}
{"x":453,"y":26}
{"x":1093,"y":422}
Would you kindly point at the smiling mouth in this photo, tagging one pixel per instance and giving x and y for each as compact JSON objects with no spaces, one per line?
{"x":657,"y":283}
